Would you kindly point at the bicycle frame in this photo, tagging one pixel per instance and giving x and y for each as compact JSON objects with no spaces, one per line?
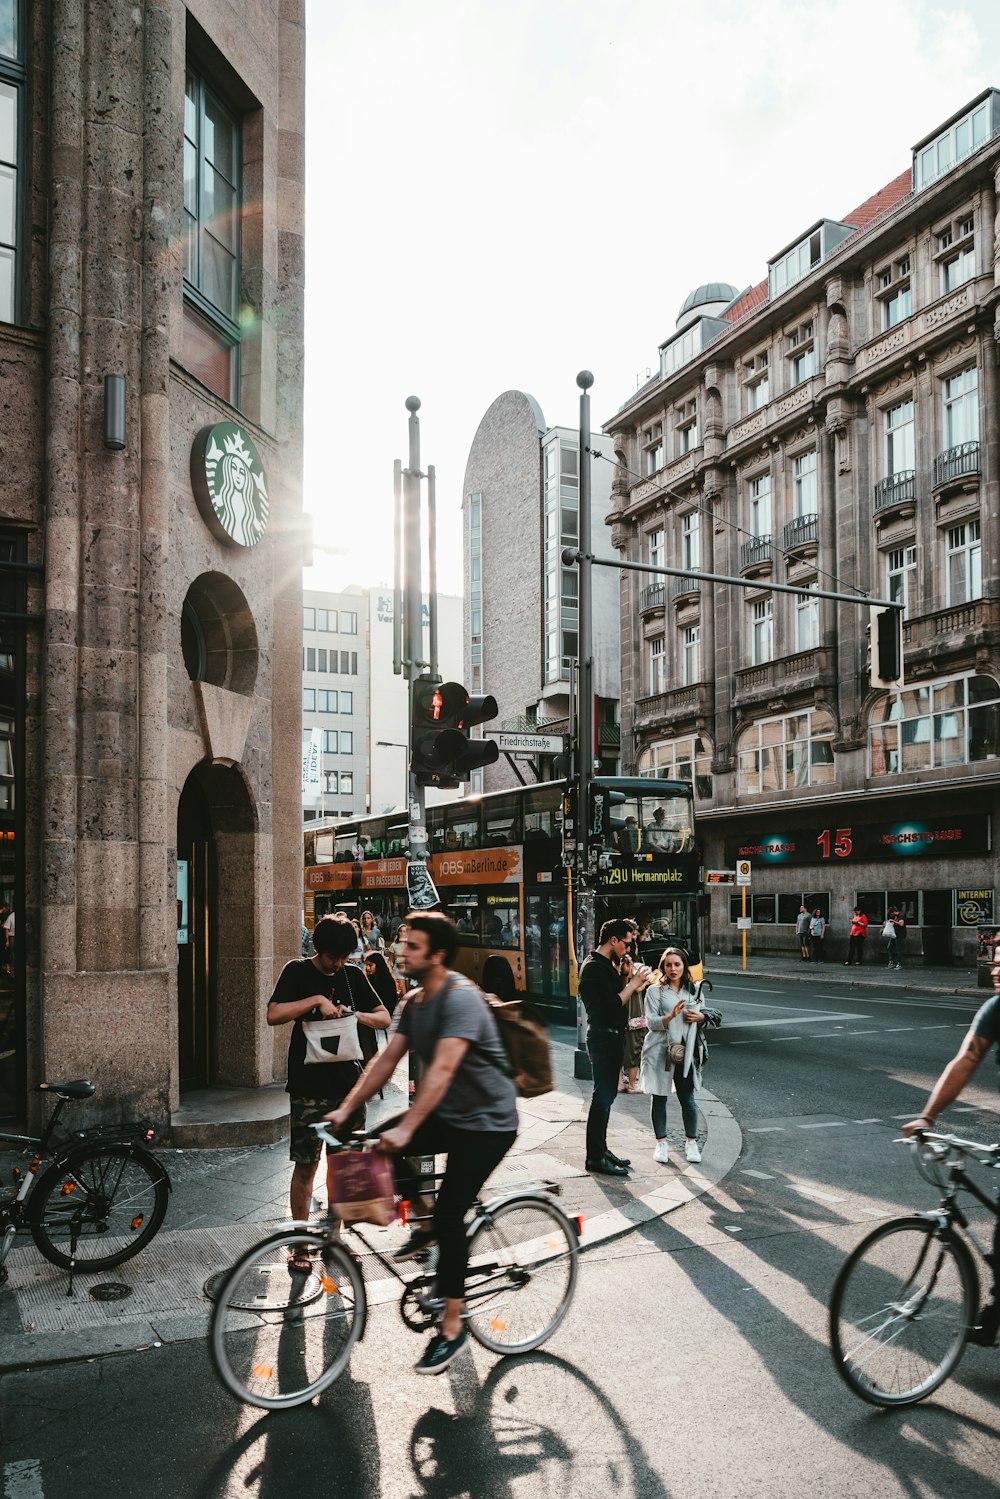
{"x":949,"y":1210}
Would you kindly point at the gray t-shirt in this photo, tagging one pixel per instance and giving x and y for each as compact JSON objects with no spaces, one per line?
{"x":481,"y":1095}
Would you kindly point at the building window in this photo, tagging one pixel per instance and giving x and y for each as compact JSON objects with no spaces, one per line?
{"x":326,"y":701}
{"x":690,"y":655}
{"x":806,"y":623}
{"x":691,"y":541}
{"x":560,"y":606}
{"x":475,"y":502}
{"x":346,"y":702}
{"x":346,"y":743}
{"x":759,"y":495}
{"x":654,"y":551}
{"x":952,"y":146}
{"x":956,"y":254}
{"x":802,"y":354}
{"x":898,"y":439}
{"x":787,"y":753}
{"x":321,"y":660}
{"x":954,"y":721}
{"x":687,"y":428}
{"x":330,"y":783}
{"x":757,"y":383}
{"x":309,"y":700}
{"x":761,"y":632}
{"x":309,"y":619}
{"x":347,"y":783}
{"x":657,"y":666}
{"x":652,"y":445}
{"x":964,"y":562}
{"x":805,"y":492}
{"x":12,"y":127}
{"x":329,"y":741}
{"x":326,"y":620}
{"x":309,"y":659}
{"x":212,"y":210}
{"x":348,"y":622}
{"x":901,"y":576}
{"x":894,"y":293}
{"x":961,"y":408}
{"x":679,"y":760}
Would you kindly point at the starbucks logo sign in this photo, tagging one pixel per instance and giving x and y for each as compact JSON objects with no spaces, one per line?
{"x":227,"y":477}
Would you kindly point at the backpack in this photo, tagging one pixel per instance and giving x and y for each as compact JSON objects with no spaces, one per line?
{"x":525,"y":1042}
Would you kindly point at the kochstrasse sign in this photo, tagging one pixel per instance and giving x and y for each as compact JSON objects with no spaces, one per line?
{"x":917,"y":838}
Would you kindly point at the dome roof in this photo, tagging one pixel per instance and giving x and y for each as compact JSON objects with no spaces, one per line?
{"x":712,"y":291}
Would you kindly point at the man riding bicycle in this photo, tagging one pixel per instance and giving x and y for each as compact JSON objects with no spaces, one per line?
{"x":465,"y":1107}
{"x":982,"y":1034}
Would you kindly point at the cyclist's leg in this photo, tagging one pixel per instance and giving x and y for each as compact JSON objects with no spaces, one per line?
{"x":988,"y":1321}
{"x":472,"y":1156}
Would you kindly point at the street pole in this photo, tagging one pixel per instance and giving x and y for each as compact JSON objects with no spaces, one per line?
{"x":585,"y":935}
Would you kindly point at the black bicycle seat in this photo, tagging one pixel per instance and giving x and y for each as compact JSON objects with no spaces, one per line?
{"x":80,"y":1089}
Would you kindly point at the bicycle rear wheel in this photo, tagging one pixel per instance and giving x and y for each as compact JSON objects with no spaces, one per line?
{"x":900,"y":1311}
{"x":522,"y":1273}
{"x":112,"y":1197}
{"x":280,"y":1335}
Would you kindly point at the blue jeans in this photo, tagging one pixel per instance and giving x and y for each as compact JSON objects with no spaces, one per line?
{"x":605,"y":1049}
{"x":684,"y":1087}
{"x":892,"y":949}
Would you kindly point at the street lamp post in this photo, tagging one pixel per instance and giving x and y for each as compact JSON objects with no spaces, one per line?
{"x":394,"y":744}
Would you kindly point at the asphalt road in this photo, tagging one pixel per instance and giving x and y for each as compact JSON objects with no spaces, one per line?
{"x":694,"y":1360}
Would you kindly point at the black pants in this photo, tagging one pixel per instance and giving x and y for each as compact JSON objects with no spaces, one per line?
{"x":606,"y":1050}
{"x":855,"y":950}
{"x":816,"y":943}
{"x":472,"y":1155}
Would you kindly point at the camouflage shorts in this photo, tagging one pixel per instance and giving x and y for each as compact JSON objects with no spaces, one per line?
{"x":305,"y":1147}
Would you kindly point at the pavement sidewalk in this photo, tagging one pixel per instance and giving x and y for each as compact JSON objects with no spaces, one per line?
{"x":224,"y":1200}
{"x":871,"y":975}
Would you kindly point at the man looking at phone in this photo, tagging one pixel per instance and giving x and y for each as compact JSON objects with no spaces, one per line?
{"x":605,"y":993}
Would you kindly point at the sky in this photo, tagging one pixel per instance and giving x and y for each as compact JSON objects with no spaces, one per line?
{"x":501,"y":195}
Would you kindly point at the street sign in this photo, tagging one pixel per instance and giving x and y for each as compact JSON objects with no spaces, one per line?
{"x":530,"y":744}
{"x":744,"y":923}
{"x":720,"y":876}
{"x":742,"y":871}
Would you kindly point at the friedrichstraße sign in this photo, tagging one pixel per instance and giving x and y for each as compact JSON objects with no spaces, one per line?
{"x":530,"y":744}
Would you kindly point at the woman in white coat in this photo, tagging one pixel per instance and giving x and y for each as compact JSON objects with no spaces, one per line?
{"x":671,"y":1011}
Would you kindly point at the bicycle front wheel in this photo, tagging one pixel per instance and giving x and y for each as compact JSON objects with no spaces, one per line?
{"x":98,"y":1206}
{"x":282,"y":1332}
{"x":900,"y":1311}
{"x":522,"y":1273}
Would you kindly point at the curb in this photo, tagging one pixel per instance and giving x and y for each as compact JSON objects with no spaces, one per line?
{"x":831,"y":976}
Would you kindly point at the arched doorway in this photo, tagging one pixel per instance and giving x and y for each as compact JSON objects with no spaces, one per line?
{"x":215,"y":923}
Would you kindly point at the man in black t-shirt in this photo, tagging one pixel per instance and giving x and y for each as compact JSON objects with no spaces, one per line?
{"x":316,"y":988}
{"x":983,"y":1033}
{"x":605,"y":993}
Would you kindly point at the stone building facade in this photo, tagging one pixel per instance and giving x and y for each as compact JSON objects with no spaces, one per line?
{"x":834,"y":427}
{"x":520,"y":508}
{"x":151,"y":540}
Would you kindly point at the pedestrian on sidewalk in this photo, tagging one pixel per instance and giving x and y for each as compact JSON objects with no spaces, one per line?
{"x":605,"y":994}
{"x":817,"y":935}
{"x":632,"y":1051}
{"x":672,"y":1009}
{"x":856,"y":939}
{"x":891,"y":937}
{"x":802,"y":932}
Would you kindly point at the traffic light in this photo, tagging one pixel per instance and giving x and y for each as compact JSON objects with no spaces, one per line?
{"x":886,"y":634}
{"x":441,"y":751}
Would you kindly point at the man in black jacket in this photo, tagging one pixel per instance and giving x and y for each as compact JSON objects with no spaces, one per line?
{"x":605,"y":995}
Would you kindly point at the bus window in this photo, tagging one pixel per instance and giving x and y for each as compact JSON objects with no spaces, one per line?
{"x":465,"y":914}
{"x":323,"y":848}
{"x":462,"y":828}
{"x":377,"y":845}
{"x":543,"y":813}
{"x":398,"y":839}
{"x":346,"y":842}
{"x":666,"y":823}
{"x":502,"y":821}
{"x":503,"y":927}
{"x":435,"y":829}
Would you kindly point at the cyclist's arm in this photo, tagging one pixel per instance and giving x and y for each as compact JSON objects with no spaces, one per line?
{"x":433,"y":1086}
{"x":953,"y":1079}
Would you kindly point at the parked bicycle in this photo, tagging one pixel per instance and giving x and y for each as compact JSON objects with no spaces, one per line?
{"x":100,"y":1199}
{"x":905,"y":1299}
{"x":280,"y":1334}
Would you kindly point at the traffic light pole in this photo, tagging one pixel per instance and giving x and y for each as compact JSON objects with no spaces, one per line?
{"x":420,"y":888}
{"x":584,"y":910}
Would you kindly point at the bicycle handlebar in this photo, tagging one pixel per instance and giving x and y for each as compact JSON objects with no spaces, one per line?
{"x":930,"y":1139}
{"x":355,"y":1141}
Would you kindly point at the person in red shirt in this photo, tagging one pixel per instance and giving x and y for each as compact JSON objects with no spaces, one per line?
{"x":856,"y":940}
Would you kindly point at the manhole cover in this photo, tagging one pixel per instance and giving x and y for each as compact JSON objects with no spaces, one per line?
{"x":110,"y":1290}
{"x":267,"y":1292}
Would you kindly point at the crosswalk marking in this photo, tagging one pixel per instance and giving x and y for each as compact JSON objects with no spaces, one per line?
{"x":826,"y":1124}
{"x":764,"y":1176}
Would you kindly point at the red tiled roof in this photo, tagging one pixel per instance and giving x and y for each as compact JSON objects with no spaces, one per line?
{"x":866,"y":213}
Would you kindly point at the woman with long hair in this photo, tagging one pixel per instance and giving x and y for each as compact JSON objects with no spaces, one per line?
{"x":379,"y":975}
{"x":370,"y":934}
{"x":668,"y":1060}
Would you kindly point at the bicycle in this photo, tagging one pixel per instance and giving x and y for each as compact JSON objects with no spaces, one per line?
{"x":99,"y":1201}
{"x":279,"y":1336}
{"x":905,"y":1299}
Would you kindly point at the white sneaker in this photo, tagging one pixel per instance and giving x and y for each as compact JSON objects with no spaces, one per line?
{"x":691,"y":1150}
{"x":660,"y":1153}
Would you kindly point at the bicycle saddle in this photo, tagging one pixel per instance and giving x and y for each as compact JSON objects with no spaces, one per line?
{"x":80,"y":1089}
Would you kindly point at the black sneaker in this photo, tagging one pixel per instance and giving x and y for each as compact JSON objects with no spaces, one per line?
{"x":985,"y":1334}
{"x":618,"y":1160}
{"x":419,"y":1240}
{"x":606,"y":1167}
{"x":440,"y":1351}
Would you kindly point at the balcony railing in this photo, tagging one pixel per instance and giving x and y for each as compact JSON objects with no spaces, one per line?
{"x":803,"y":529}
{"x":895,"y":489}
{"x":757,"y":552}
{"x":653,"y":596}
{"x":954,"y":462}
{"x":681,"y":586}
